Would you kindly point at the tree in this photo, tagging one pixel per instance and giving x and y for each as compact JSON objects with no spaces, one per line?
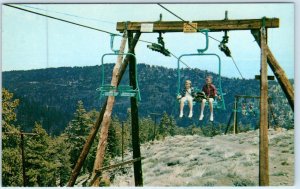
{"x":9,"y":106}
{"x":163,"y":126}
{"x":11,"y":167}
{"x":90,"y":159}
{"x":146,"y":129}
{"x":11,"y":155}
{"x":172,"y":126}
{"x":113,"y":141}
{"x":62,"y":158}
{"x":77,"y":131}
{"x":40,"y":156}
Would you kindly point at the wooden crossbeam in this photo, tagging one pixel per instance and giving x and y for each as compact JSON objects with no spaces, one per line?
{"x":246,"y":96}
{"x":212,"y":25}
{"x":19,"y":133}
{"x":119,"y":164}
{"x":99,"y":171}
{"x":270,"y":77}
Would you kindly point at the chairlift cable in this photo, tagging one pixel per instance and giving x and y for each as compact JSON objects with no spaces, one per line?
{"x":237,"y":67}
{"x":81,"y":25}
{"x":186,"y":21}
{"x":180,"y":60}
{"x":68,"y":14}
{"x":74,"y":23}
{"x":55,"y":18}
{"x":200,"y":32}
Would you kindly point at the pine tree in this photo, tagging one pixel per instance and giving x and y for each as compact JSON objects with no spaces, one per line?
{"x":113,"y":142}
{"x":128,"y":131}
{"x":172,"y":126}
{"x":9,"y":106}
{"x":62,"y":158}
{"x":40,"y":163}
{"x":11,"y":154}
{"x":90,"y":159}
{"x":77,"y":131}
{"x":146,"y":129}
{"x":163,"y":126}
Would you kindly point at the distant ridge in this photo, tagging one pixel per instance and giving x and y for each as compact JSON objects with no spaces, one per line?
{"x":52,"y":94}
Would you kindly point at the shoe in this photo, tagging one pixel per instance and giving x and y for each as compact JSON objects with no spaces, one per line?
{"x":201,"y":117}
{"x":181,"y":114}
{"x":211,"y":118}
{"x":190,"y":114}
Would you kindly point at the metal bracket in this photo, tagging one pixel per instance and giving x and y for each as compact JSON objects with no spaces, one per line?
{"x":205,"y":31}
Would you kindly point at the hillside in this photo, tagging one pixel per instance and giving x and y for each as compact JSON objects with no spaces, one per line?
{"x":223,"y":160}
{"x":50,"y":95}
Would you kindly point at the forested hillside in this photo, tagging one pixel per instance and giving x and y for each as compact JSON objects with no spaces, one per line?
{"x":50,"y":95}
{"x":57,"y":108}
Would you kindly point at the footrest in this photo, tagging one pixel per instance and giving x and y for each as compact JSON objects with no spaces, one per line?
{"x":122,"y":90}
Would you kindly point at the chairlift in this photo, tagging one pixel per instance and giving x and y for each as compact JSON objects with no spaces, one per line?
{"x":121,"y":90}
{"x":218,"y":103}
{"x":248,"y":107}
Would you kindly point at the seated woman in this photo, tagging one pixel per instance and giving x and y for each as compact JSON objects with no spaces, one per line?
{"x":187,"y":94}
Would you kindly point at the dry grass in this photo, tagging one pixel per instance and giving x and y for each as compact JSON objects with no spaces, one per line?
{"x":224,"y":160}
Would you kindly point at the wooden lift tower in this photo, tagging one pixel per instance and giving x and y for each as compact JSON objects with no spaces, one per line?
{"x":133,"y":30}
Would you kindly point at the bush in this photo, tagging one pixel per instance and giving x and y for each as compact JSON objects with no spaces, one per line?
{"x":243,"y":182}
{"x":210,"y":183}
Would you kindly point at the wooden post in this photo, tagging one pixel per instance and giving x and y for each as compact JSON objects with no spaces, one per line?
{"x":22,"y":146}
{"x":279,"y":73}
{"x":23,"y":159}
{"x":236,"y":121}
{"x":138,"y":174}
{"x":228,"y":124}
{"x":95,"y":128}
{"x":154,"y":129}
{"x":235,"y":116}
{"x":263,"y":130}
{"x":122,"y":141}
{"x":107,"y":116}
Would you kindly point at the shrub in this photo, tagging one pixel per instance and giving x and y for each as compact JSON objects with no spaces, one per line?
{"x":210,"y":183}
{"x":280,"y":173}
{"x":243,"y":182}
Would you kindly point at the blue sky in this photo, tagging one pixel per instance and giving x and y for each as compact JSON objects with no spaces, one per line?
{"x":32,"y":42}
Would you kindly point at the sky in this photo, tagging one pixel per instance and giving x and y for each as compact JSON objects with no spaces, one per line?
{"x":31,"y":41}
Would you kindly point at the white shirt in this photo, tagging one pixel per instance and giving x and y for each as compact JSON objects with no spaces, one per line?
{"x":188,"y":93}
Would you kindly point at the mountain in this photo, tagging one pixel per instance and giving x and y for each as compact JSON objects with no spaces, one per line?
{"x":50,"y":95}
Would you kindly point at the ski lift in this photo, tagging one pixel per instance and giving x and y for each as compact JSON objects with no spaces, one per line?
{"x":248,"y":107}
{"x":218,"y":103}
{"x":244,"y":109}
{"x":253,"y":107}
{"x":121,"y":90}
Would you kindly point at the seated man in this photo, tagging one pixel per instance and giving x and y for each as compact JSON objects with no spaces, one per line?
{"x":211,"y":92}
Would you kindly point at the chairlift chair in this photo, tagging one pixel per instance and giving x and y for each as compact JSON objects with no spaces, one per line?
{"x":218,"y":104}
{"x":121,"y":90}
